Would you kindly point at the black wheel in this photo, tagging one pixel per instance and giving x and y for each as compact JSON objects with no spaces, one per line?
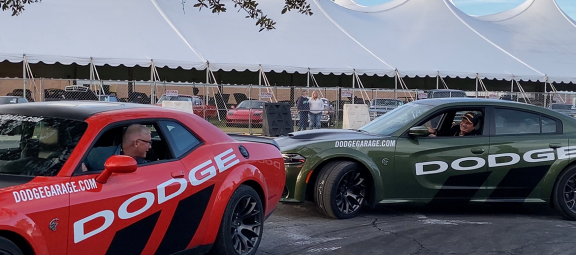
{"x":340,"y":190}
{"x":242,"y":225}
{"x":564,"y":195}
{"x":7,"y":247}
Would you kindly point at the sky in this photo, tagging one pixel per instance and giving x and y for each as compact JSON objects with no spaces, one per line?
{"x":484,"y":7}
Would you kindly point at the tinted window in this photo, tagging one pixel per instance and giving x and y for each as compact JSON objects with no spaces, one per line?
{"x":37,"y":146}
{"x":548,"y":125}
{"x":510,"y":122}
{"x":180,"y":138}
{"x":250,"y":104}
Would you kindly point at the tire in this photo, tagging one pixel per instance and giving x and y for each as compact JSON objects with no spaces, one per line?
{"x":7,"y":247}
{"x":564,"y":195}
{"x":340,"y":190}
{"x":245,"y":202}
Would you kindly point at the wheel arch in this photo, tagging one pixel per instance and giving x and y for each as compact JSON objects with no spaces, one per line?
{"x":364,"y":167}
{"x":19,"y":240}
{"x":258,"y":188}
{"x":551,"y":178}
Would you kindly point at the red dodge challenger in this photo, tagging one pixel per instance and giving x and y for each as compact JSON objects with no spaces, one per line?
{"x":197,"y":188}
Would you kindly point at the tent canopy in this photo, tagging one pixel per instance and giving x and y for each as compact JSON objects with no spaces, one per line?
{"x":415,"y":37}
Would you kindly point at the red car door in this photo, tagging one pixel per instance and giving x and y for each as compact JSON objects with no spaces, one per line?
{"x":129,"y":214}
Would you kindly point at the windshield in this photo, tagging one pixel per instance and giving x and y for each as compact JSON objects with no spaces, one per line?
{"x":8,"y":100}
{"x":174,"y":98}
{"x":36,"y":146}
{"x":396,"y":119}
{"x":386,"y":102}
{"x":248,"y":104}
{"x":562,"y":106}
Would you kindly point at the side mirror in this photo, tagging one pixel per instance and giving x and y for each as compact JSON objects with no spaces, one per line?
{"x":419,"y":131}
{"x":117,"y":164}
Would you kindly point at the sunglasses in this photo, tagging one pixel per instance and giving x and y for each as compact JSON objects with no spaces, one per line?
{"x":149,"y":142}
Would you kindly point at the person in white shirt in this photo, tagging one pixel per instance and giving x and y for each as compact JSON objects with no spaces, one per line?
{"x":316,"y":108}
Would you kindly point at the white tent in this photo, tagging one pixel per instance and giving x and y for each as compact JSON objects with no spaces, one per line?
{"x":415,"y":37}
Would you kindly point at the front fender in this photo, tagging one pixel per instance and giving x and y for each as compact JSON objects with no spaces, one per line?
{"x":22,"y":225}
{"x":238,"y":175}
{"x":318,"y":159}
{"x":550,"y":178}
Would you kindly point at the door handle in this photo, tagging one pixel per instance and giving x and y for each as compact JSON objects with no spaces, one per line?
{"x":179,"y":174}
{"x":555,"y":145}
{"x":477,"y":150}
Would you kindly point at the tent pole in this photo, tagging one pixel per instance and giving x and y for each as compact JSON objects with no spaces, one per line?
{"x":24,"y":76}
{"x":396,"y":77}
{"x":259,"y":83}
{"x":477,"y":78}
{"x":207,"y":72}
{"x":353,"y":85}
{"x":545,"y":91}
{"x":437,"y":79}
{"x":308,"y":78}
{"x":91,"y":72}
{"x":153,"y":78}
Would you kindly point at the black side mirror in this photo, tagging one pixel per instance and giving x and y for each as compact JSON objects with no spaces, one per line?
{"x":419,"y":131}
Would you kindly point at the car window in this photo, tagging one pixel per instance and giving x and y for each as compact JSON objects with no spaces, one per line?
{"x":181,"y":140}
{"x":111,"y":143}
{"x":510,"y":122}
{"x":37,"y":146}
{"x":396,"y":119}
{"x":548,"y":125}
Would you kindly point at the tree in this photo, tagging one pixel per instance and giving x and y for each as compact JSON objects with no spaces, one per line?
{"x":249,"y":6}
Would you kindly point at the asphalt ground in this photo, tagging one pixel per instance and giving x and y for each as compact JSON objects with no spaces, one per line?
{"x":469,"y":229}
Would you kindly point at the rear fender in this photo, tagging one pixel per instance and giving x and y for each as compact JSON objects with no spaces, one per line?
{"x":549,"y":179}
{"x":22,"y":225}
{"x":238,"y":175}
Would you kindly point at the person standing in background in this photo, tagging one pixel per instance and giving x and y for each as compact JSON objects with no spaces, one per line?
{"x":303,"y":109}
{"x":316,"y":108}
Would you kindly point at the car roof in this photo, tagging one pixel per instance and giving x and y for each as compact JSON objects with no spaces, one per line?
{"x":76,"y":110}
{"x":469,"y":100}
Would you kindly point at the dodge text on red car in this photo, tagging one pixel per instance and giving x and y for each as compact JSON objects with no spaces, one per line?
{"x":198,"y":189}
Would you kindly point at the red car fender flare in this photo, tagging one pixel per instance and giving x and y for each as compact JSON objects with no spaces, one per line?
{"x":31,"y":233}
{"x":237,"y":176}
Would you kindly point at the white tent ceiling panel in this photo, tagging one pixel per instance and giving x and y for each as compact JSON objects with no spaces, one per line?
{"x":535,"y":32}
{"x":130,"y":31}
{"x":299,"y":42}
{"x":423,"y":35}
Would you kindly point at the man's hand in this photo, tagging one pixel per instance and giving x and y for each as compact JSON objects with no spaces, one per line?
{"x":432,"y":132}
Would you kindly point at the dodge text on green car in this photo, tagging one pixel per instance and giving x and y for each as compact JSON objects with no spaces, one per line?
{"x":520,"y":153}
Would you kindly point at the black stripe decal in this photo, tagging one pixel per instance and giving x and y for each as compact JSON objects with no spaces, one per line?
{"x":133,"y":239}
{"x":471,"y":182}
{"x":185,"y":222}
{"x":519,"y":182}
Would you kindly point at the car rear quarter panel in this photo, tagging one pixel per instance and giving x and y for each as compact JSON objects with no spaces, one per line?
{"x":263,"y":170}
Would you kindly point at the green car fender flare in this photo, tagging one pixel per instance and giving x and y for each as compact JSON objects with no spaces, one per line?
{"x":550,"y":178}
{"x":344,"y":154}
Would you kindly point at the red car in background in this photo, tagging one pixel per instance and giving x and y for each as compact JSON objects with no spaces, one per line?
{"x":247,"y":112}
{"x":200,"y":189}
{"x":199,"y":107}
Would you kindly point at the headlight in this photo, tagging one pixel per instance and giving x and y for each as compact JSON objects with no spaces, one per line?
{"x":230,"y":113}
{"x":293,"y":159}
{"x":257,"y":114}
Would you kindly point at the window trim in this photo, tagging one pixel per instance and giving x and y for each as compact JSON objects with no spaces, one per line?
{"x":77,"y":169}
{"x":559,"y":124}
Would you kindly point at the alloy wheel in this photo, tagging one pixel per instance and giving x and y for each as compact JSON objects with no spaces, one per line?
{"x":351,"y":192}
{"x":570,"y":193}
{"x":246,"y":225}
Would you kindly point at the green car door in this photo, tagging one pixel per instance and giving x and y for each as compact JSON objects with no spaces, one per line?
{"x":435,"y":169}
{"x":523,"y":147}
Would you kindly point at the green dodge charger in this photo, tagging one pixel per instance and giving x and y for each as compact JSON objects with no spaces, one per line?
{"x":518,"y":153}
